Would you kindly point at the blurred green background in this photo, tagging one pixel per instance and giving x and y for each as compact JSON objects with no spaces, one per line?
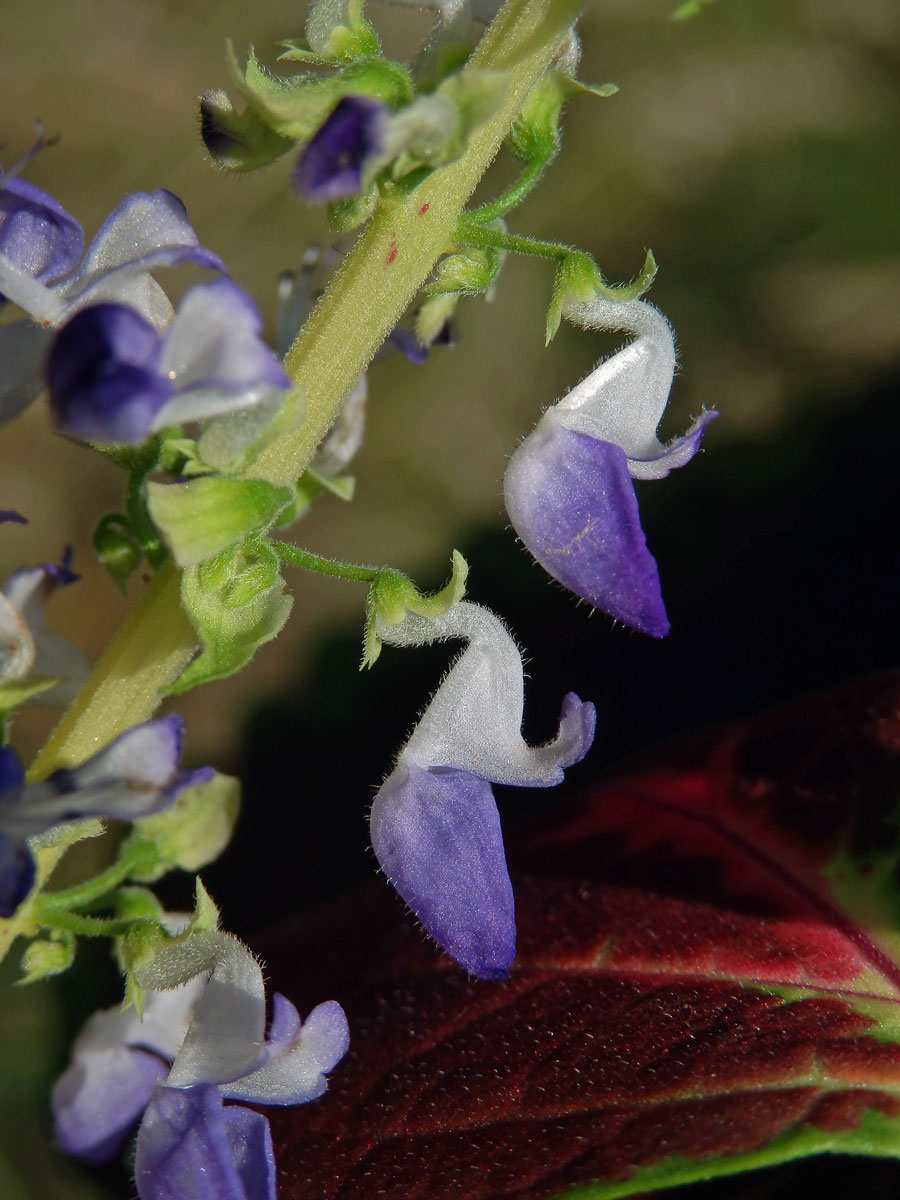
{"x":755,"y":149}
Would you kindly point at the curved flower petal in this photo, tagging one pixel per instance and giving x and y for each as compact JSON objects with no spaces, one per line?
{"x":44,"y":652}
{"x":103,"y":377}
{"x":37,"y":235}
{"x":331,"y":165}
{"x":296,"y":1071}
{"x":190,"y":1147}
{"x":214,"y":355}
{"x":437,"y":836}
{"x":571,"y":500}
{"x":98,"y":1100}
{"x":474,"y":721}
{"x":226,"y":1039}
{"x":135,"y":775}
{"x":145,"y":231}
{"x":117,"y":1059}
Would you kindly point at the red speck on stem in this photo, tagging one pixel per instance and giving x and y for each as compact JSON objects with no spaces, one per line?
{"x":424,"y":209}
{"x":393,"y":252}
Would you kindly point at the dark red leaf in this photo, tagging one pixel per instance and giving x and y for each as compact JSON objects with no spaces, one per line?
{"x":707,"y":979}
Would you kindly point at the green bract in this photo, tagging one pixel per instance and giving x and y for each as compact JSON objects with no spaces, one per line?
{"x":236,"y":602}
{"x":202,"y":517}
{"x":578,"y":278}
{"x":392,"y":594}
{"x":195,"y":829}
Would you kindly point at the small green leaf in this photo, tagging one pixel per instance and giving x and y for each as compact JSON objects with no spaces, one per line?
{"x":236,"y":602}
{"x":195,"y":829}
{"x":202,"y":517}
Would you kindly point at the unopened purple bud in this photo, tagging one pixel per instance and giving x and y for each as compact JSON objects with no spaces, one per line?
{"x":331,"y":166}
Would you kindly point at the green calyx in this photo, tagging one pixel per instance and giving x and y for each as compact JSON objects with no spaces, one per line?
{"x":194,"y":830}
{"x":236,"y":602}
{"x":238,"y":141}
{"x":392,"y":595}
{"x":578,"y":279}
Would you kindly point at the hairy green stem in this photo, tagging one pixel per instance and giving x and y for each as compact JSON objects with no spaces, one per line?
{"x":513,"y":195}
{"x":136,"y":856}
{"x":495,"y":239}
{"x":52,"y":918}
{"x":296,"y":557}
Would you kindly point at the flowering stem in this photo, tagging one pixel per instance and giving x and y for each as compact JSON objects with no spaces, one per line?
{"x":402,"y":242}
{"x":475,"y":234}
{"x":513,"y":195}
{"x":297,"y":557}
{"x":52,"y":918}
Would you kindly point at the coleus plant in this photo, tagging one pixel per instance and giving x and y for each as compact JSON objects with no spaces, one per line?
{"x":708,"y":980}
{"x":680,"y":942}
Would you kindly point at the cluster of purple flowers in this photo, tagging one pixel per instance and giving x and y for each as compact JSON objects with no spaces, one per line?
{"x":118,"y":363}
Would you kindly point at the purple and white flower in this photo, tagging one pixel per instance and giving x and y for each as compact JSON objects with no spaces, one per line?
{"x":434,"y":822}
{"x":113,"y":377}
{"x":568,"y":487}
{"x":27,"y":647}
{"x":211,"y":1027}
{"x":333,"y":161}
{"x":136,"y":775}
{"x":40,"y":252}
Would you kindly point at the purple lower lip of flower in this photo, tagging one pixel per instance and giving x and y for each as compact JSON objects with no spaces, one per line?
{"x":190,"y":1145}
{"x":331,"y":165}
{"x":102,"y":378}
{"x":436,"y":834}
{"x":571,"y":500}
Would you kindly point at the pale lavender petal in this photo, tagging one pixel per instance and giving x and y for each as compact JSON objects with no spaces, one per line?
{"x":226,"y":1039}
{"x":437,"y":837}
{"x":145,"y":231}
{"x":571,"y":500}
{"x":284,"y":1027}
{"x":187,"y":1150}
{"x":100,"y":1097}
{"x":214,"y":355}
{"x":136,"y":775}
{"x":295,"y":1074}
{"x":675,"y":453}
{"x":37,"y":235}
{"x":331,"y":165}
